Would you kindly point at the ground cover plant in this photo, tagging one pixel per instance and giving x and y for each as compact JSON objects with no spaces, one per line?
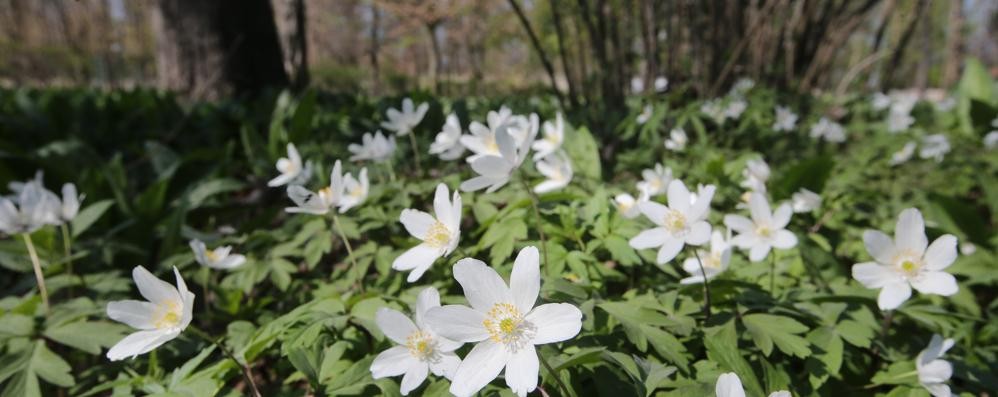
{"x":331,"y":245}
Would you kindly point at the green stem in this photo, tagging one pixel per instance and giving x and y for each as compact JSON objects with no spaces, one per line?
{"x":415,"y":152}
{"x":247,"y":374}
{"x":391,"y":170}
{"x":39,"y":276}
{"x":67,"y":246}
{"x":706,"y":288}
{"x":557,"y":379}
{"x":535,"y":201}
{"x":772,"y":275}
{"x":353,"y":261}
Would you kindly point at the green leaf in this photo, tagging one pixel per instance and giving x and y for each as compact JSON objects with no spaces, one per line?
{"x":855,"y":333}
{"x":87,"y":336}
{"x":767,"y":329}
{"x":50,"y":367}
{"x":86,"y":217}
{"x":722,"y":347}
{"x":582,"y":149}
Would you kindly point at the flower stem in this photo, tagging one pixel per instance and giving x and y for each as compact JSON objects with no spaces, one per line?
{"x":536,"y":202}
{"x":706,"y":287}
{"x":557,"y":379}
{"x":39,"y":276}
{"x":247,"y":374}
{"x":415,"y":152}
{"x":343,"y":236}
{"x":772,"y":275}
{"x":67,"y":246}
{"x":391,"y":170}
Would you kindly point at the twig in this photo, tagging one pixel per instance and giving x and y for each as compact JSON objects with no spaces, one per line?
{"x":706,"y":288}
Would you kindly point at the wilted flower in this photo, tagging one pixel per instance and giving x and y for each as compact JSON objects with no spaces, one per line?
{"x":765,"y":231}
{"x":828,"y":130}
{"x":167,"y":312}
{"x":932,"y":371}
{"x":290,"y":167}
{"x":756,"y":174}
{"x":447,"y":143}
{"x":35,"y":207}
{"x":805,"y":200}
{"x":714,"y":262}
{"x":903,"y":155}
{"x":729,"y":385}
{"x":557,"y":169}
{"x":419,"y":349}
{"x":218,"y":258}
{"x":786,"y":119}
{"x":503,"y":323}
{"x":677,"y":140}
{"x":318,"y":203}
{"x":627,"y":205}
{"x":439,"y":235}
{"x":494,"y":171}
{"x":678,"y":224}
{"x":354,"y":190}
{"x":554,"y":135}
{"x":374,"y":147}
{"x":656,"y":180}
{"x":402,"y":122}
{"x":934,"y":147}
{"x":905,"y":262}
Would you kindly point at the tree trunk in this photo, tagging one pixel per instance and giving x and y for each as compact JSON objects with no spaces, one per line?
{"x":436,"y":63}
{"x":373,"y":48}
{"x":954,"y":39}
{"x":215,"y":48}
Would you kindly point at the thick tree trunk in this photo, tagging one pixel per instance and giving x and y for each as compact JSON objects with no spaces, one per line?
{"x":216,"y":48}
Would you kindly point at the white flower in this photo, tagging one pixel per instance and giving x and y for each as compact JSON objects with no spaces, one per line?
{"x":729,"y":385}
{"x":419,"y":349}
{"x":646,"y":113}
{"x":558,"y":171}
{"x":504,"y":323}
{"x":786,"y":119}
{"x":828,"y":130}
{"x":354,"y":190}
{"x":756,"y":174}
{"x":637,"y":85}
{"x":661,"y":84}
{"x":967,"y":248}
{"x":742,"y":85}
{"x":764,"y":231}
{"x":70,"y":202}
{"x":991,"y":140}
{"x":32,"y":208}
{"x":218,"y":258}
{"x":899,"y":119}
{"x":439,"y":235}
{"x":714,"y":109}
{"x":166,"y":312}
{"x":907,"y":261}
{"x":903,"y":155}
{"x":805,"y":200}
{"x":932,"y":371}
{"x":482,"y":141}
{"x":904,"y":101}
{"x":714,"y":262}
{"x":290,"y":168}
{"x":880,"y":101}
{"x":402,"y":122}
{"x":374,"y":147}
{"x":677,"y":140}
{"x":447,"y":143}
{"x":678,"y":224}
{"x":627,"y":205}
{"x":656,"y":180}
{"x":494,"y":171}
{"x":934,"y":147}
{"x":735,"y":108}
{"x":554,"y":135}
{"x":318,"y":203}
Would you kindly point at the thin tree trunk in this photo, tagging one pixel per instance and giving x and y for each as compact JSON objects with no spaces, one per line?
{"x":436,"y":63}
{"x":537,"y":48}
{"x":954,"y":39}
{"x":373,"y":48}
{"x":573,"y":98}
{"x":909,"y":31}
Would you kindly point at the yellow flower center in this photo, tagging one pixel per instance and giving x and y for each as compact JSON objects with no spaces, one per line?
{"x":438,"y":236}
{"x":168,"y":315}
{"x":624,"y":207}
{"x":764,"y":231}
{"x":506,"y":325}
{"x":211,"y":255}
{"x":421,"y":345}
{"x":675,"y":221}
{"x":358,"y":192}
{"x":491,"y":145}
{"x":553,"y":138}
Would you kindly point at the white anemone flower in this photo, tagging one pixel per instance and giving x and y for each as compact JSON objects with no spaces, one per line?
{"x":735,"y":108}
{"x":557,"y":169}
{"x":482,"y":138}
{"x":907,"y":261}
{"x":902,"y":156}
{"x":765,"y":231}
{"x":991,"y":140}
{"x":166,"y":312}
{"x":729,"y":385}
{"x":439,"y":234}
{"x":805,"y":200}
{"x":742,"y":86}
{"x":932,"y":371}
{"x":715,"y":261}
{"x":504,"y":324}
{"x":447,"y":144}
{"x":637,"y":85}
{"x":32,"y":208}
{"x":656,"y":181}
{"x":714,"y":109}
{"x":419,"y":349}
{"x":880,"y":101}
{"x":374,"y":147}
{"x":219,"y":258}
{"x":402,"y":122}
{"x":661,"y":84}
{"x":627,"y":205}
{"x":70,"y":202}
{"x":354,"y":190}
{"x":677,"y":140}
{"x":646,"y":113}
{"x":678,"y":224}
{"x":495,"y":171}
{"x":828,"y":130}
{"x":786,"y":119}
{"x":554,"y":135}
{"x":318,"y":203}
{"x":934,"y":147}
{"x":290,"y":168}
{"x":899,"y":119}
{"x":756,"y":174}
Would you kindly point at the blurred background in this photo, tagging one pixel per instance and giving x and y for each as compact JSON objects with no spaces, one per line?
{"x":580,"y":50}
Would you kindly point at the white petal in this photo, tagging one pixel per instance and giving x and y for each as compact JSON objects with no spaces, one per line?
{"x":281,"y":179}
{"x":759,"y":207}
{"x":669,"y":250}
{"x":728,"y":385}
{"x":420,"y":257}
{"x":781,"y":217}
{"x":442,"y":206}
{"x":875,"y":275}
{"x":414,"y":376}
{"x":784,"y":239}
{"x":555,"y":322}
{"x":941,"y":253}
{"x":391,"y":362}
{"x":482,"y":285}
{"x":136,"y":314}
{"x":231,"y":262}
{"x":939,"y":283}
{"x":679,"y":196}
{"x":522,"y":371}
{"x":938,"y":390}
{"x":416,"y":222}
{"x":477,"y":183}
{"x":879,"y":245}
{"x":893,"y":295}
{"x":490,"y":166}
{"x":781,"y":393}
{"x":427,"y":299}
{"x":759,"y":252}
{"x":909,"y":234}
{"x":549,"y":186}
{"x":483,"y":364}
{"x":395,"y":325}
{"x":699,"y":233}
{"x":525,"y":281}
{"x":446,"y":366}
{"x":654,"y":211}
{"x":936,"y":371}
{"x":738,"y":223}
{"x":650,"y":238}
{"x":699,"y":209}
{"x":139,"y":343}
{"x":153,"y":289}
{"x":457,"y":323}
